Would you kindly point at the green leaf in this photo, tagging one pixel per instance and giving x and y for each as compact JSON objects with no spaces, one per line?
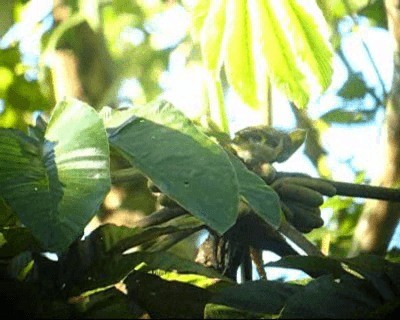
{"x":260,"y":197}
{"x":311,"y":265}
{"x":18,"y":239}
{"x":218,"y":311}
{"x":354,"y":87}
{"x":167,"y":261}
{"x":311,"y":41}
{"x":344,"y":116}
{"x":212,"y":284}
{"x":285,"y":41}
{"x":257,"y":296}
{"x":335,"y":10}
{"x":240,"y":61}
{"x":167,"y":299}
{"x":3,"y":240}
{"x":8,"y":218}
{"x":184,"y":163}
{"x":56,"y":185}
{"x":212,"y":33}
{"x":198,"y":16}
{"x":110,"y":304}
{"x":327,"y":298}
{"x":375,"y":11}
{"x":98,"y":262}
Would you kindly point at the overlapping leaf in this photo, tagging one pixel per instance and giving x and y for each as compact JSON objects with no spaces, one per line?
{"x":57,"y":184}
{"x":260,"y":197}
{"x":255,"y":40}
{"x":188,"y":166}
{"x":183,"y":162}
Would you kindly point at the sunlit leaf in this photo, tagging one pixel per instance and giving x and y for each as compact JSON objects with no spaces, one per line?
{"x":211,"y":37}
{"x":286,"y":41}
{"x":167,"y":299}
{"x":184,"y":163}
{"x":198,"y":17}
{"x":56,"y":185}
{"x":107,"y":265}
{"x":311,"y":42}
{"x":201,"y":281}
{"x":241,"y":63}
{"x":335,"y":10}
{"x":110,"y":304}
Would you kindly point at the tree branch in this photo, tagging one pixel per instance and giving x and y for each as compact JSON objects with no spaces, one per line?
{"x":353,"y":189}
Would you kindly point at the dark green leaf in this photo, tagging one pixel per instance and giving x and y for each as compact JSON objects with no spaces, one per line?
{"x":311,"y":265}
{"x":260,"y":197}
{"x":18,"y":239}
{"x":7,"y":217}
{"x":184,"y":163}
{"x":328,"y":298}
{"x":9,"y":57}
{"x":217,"y":311}
{"x":383,"y":274}
{"x":167,"y":299}
{"x":375,"y":11}
{"x":257,"y":296}
{"x":109,"y":304}
{"x":98,"y":262}
{"x":57,"y":185}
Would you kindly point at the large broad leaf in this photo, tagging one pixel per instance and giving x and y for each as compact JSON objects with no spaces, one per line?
{"x":257,"y":296}
{"x":97,"y":262}
{"x":182,"y":161}
{"x":167,"y":299}
{"x":56,"y":185}
{"x":327,"y":298}
{"x":286,"y":41}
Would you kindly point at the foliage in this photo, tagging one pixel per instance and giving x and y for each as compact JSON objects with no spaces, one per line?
{"x":55,"y":174}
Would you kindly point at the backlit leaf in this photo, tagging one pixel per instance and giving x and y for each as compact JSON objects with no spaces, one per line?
{"x":183,"y":162}
{"x":56,"y":185}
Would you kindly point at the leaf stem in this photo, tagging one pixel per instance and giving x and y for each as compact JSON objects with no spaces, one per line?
{"x":160,"y":216}
{"x":299,"y":239}
{"x":125,"y":175}
{"x":217,"y":110}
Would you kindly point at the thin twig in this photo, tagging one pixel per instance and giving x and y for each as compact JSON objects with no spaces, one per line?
{"x":125,"y":175}
{"x":169,"y":240}
{"x":350,"y":70}
{"x":299,"y":239}
{"x":160,"y":216}
{"x":374,"y":66}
